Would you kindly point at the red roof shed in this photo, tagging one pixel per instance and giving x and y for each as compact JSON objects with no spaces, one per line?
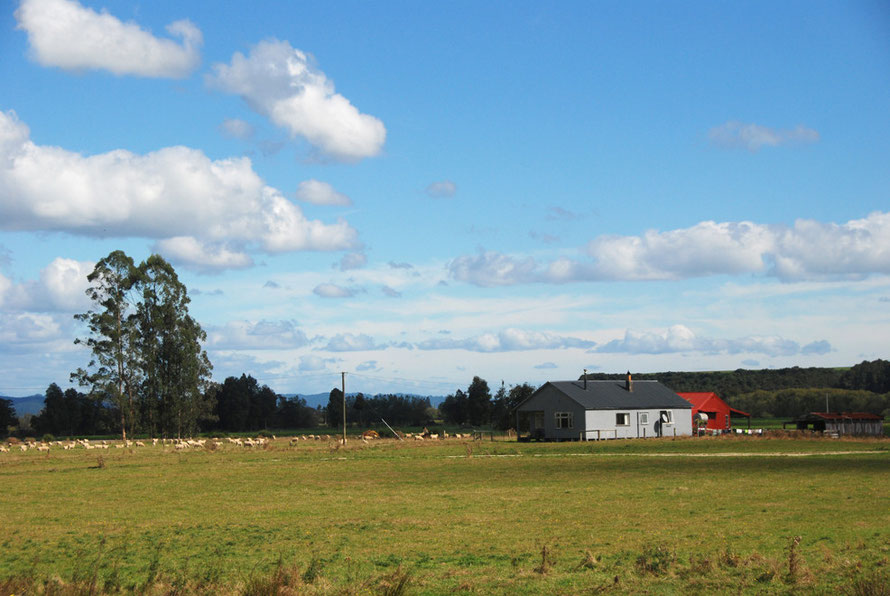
{"x":718,"y":411}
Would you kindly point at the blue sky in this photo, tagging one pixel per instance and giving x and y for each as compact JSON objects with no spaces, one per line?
{"x":417,"y":193}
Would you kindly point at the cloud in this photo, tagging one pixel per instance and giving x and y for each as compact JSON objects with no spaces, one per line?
{"x":560,"y":214}
{"x":321,"y":193}
{"x":391,"y":293}
{"x":353,"y":260}
{"x":441,"y":189}
{"x":489,"y":269}
{"x":348,"y":342}
{"x":61,"y":288}
{"x":508,"y":340}
{"x":65,"y":34}
{"x":546,"y":366}
{"x":679,"y":339}
{"x":369,"y":365}
{"x":808,"y":250}
{"x":203,"y":257}
{"x":751,"y":363}
{"x":236,"y":128}
{"x":328,"y":290}
{"x":205,"y":214}
{"x":260,"y":335}
{"x":313,"y":363}
{"x":274,"y":285}
{"x":738,"y":135}
{"x":394,"y":265}
{"x":282,"y":84}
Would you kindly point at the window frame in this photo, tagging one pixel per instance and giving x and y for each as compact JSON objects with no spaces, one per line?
{"x":644,"y":418}
{"x":564,"y":420}
{"x":666,"y":416}
{"x":622,"y":416}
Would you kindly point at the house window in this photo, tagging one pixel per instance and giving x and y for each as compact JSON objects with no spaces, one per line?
{"x":667,"y":417}
{"x":539,"y":419}
{"x":564,"y":419}
{"x":622,"y":419}
{"x":644,"y":418}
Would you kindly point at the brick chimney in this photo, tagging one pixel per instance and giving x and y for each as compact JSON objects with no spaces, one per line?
{"x":629,"y":383}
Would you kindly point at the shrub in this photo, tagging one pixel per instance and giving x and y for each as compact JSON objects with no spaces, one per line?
{"x":48,"y":438}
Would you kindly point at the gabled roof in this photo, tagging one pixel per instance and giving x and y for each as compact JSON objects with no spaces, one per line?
{"x":612,"y":395}
{"x":704,"y":401}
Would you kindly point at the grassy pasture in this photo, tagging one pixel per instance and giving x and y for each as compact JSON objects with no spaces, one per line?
{"x":751,"y":515}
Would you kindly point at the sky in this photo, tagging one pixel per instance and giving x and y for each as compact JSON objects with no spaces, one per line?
{"x":419,"y":193}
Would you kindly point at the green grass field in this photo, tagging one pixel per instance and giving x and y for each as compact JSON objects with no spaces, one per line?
{"x":727,"y":515}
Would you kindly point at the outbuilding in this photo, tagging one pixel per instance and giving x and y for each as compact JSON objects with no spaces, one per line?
{"x":719,"y":412}
{"x":593,"y":410}
{"x":840,"y":423}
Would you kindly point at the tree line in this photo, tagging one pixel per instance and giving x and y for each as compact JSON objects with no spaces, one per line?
{"x":871,"y":376}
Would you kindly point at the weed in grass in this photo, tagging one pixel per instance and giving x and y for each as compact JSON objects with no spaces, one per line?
{"x":588,"y":561}
{"x":794,"y":560}
{"x":395,"y":583}
{"x":656,"y":559}
{"x":283,"y":581}
{"x":313,"y":570}
{"x":874,"y":584}
{"x":546,"y":561}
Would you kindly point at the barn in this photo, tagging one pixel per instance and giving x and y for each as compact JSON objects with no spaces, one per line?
{"x":592,"y":410}
{"x":840,"y":423}
{"x":718,"y":411}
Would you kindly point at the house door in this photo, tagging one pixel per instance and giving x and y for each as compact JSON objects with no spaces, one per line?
{"x":643,"y":429}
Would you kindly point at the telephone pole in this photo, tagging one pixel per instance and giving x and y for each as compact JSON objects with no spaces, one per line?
{"x":343,"y":380}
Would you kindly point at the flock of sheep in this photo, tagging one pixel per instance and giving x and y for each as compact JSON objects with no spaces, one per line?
{"x":213,"y":443}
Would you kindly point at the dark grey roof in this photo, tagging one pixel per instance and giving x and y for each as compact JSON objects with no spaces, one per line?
{"x":612,"y":395}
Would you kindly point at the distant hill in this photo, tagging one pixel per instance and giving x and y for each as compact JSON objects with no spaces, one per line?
{"x":868,"y":376}
{"x":31,"y":404}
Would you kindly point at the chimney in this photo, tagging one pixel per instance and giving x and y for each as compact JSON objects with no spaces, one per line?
{"x":585,"y":379}
{"x":629,"y":384}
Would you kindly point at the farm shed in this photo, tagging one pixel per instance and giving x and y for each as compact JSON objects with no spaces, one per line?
{"x":719,"y":412}
{"x":593,"y":410}
{"x":840,"y":423}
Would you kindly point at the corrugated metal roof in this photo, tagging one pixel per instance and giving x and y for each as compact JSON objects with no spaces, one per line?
{"x":612,"y":395}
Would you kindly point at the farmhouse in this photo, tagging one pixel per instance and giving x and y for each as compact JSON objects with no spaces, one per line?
{"x":840,"y":423}
{"x":719,"y":412}
{"x":593,"y":410}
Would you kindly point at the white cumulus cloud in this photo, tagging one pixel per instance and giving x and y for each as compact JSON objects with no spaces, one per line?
{"x":211,"y":214}
{"x":350,"y":342}
{"x":680,"y":339}
{"x":321,"y":193}
{"x":260,"y":335}
{"x":508,"y":340}
{"x":735,"y":135}
{"x":66,"y":34}
{"x":808,"y":250}
{"x":61,"y":287}
{"x":282,"y":84}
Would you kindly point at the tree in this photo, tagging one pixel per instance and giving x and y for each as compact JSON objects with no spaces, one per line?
{"x":454,"y":408}
{"x":7,"y":416}
{"x":478,"y":402}
{"x":114,"y":369}
{"x":175,"y":366}
{"x":335,"y":408}
{"x":147,"y":358}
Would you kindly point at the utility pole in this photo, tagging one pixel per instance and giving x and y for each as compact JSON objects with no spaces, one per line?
{"x":343,"y":380}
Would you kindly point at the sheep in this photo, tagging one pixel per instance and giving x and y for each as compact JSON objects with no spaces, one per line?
{"x":140,"y":444}
{"x":4,"y":449}
{"x":23,"y":447}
